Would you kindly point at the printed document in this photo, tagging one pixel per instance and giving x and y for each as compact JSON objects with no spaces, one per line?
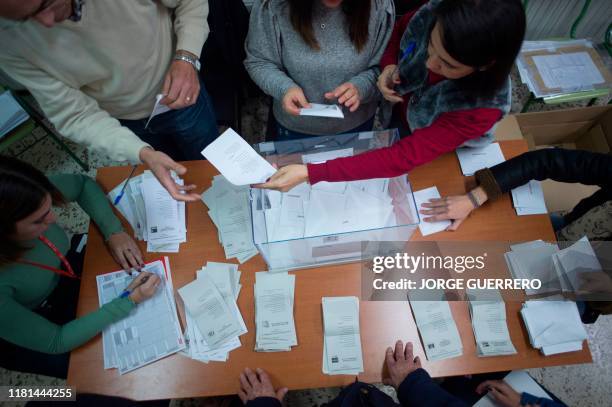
{"x":438,"y":329}
{"x":342,"y":353}
{"x":320,"y":110}
{"x":237,"y":160}
{"x":274,"y":299}
{"x":474,"y":159}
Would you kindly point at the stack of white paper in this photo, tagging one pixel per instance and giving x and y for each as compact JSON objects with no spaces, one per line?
{"x":553,"y":326}
{"x":275,"y":326}
{"x":342,"y":352}
{"x":474,"y":159}
{"x":528,"y":199}
{"x":154,"y":215}
{"x":151,"y":332}
{"x":490,"y":326}
{"x":11,"y":113}
{"x":438,"y":330}
{"x":574,"y":261}
{"x":534,"y":261}
{"x":520,"y":381}
{"x":225,"y":278}
{"x":214,"y":321}
{"x":228,"y":207}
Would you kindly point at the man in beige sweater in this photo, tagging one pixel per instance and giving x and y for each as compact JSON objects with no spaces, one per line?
{"x":96,"y":67}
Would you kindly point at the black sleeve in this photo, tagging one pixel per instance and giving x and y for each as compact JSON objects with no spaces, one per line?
{"x":419,"y":389}
{"x":558,"y":164}
{"x":264,"y":402}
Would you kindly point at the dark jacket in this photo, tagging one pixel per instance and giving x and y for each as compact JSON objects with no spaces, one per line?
{"x":557,"y":164}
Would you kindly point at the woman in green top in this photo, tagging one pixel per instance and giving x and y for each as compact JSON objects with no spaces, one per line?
{"x":38,"y":288}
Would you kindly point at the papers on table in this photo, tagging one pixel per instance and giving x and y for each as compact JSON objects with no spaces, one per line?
{"x":528,"y":199}
{"x":533,"y":260}
{"x":520,"y":381}
{"x":228,"y":207}
{"x":11,"y":113}
{"x":490,"y":326}
{"x":154,"y":215}
{"x":437,"y":329}
{"x":421,"y":197}
{"x":341,"y":336}
{"x":274,"y":299}
{"x":556,"y":269}
{"x":553,"y":326}
{"x":236,"y":160}
{"x":209,"y":336}
{"x":159,"y":108}
{"x":474,"y":159}
{"x":150,"y":332}
{"x":553,"y":68}
{"x":317,"y":109}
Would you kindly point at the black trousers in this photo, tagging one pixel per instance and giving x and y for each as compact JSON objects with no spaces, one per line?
{"x":59,"y":308}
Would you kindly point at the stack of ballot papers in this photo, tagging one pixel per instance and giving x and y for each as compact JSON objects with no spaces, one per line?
{"x":11,"y":113}
{"x":557,"y":270}
{"x":521,"y":382}
{"x":553,"y":326}
{"x":437,"y":328}
{"x":150,"y":332}
{"x":326,"y":208}
{"x":474,"y":159}
{"x":528,"y":199}
{"x":342,"y":352}
{"x":214,"y":321}
{"x":154,"y":215}
{"x":228,"y":207}
{"x":274,"y":299}
{"x":534,"y":261}
{"x":489,"y":325}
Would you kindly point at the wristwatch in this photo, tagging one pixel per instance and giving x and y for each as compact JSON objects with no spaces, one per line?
{"x":188,"y":58}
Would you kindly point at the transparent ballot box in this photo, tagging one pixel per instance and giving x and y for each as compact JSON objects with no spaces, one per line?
{"x":326,"y":223}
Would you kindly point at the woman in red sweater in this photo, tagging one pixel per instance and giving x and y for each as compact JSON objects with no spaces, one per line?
{"x":452,"y":83}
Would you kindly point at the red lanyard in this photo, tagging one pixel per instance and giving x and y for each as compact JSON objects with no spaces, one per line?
{"x":67,"y":273}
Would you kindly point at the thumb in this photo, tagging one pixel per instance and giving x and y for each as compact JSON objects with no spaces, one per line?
{"x":281,"y":393}
{"x":455,"y":224}
{"x":302,"y":100}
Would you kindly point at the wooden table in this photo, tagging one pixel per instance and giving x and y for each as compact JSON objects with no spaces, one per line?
{"x":382,"y":323}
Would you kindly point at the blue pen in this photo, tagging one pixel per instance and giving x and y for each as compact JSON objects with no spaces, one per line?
{"x":407,"y":52}
{"x":118,"y":198}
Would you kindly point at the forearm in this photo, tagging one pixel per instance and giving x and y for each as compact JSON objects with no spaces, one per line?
{"x":191,"y":25}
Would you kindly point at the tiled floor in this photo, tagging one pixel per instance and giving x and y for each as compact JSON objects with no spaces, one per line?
{"x":579,"y":385}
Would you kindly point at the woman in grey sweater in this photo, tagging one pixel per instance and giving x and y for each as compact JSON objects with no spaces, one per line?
{"x":319,"y":51}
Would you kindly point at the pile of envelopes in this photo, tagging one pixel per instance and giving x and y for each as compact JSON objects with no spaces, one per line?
{"x":214,"y":321}
{"x":274,"y":322}
{"x":553,"y":326}
{"x":153,"y":214}
{"x":228,"y":207}
{"x":488,"y":313}
{"x":557,"y":270}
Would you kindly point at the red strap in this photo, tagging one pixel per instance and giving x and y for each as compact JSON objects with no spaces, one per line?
{"x":69,"y":272}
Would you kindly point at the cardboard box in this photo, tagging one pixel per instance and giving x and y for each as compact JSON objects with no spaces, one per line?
{"x":587,"y":128}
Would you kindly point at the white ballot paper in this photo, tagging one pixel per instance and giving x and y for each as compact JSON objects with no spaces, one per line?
{"x":438,"y":329}
{"x":528,"y":199}
{"x":150,"y":332}
{"x":205,"y":304}
{"x":237,"y":160}
{"x":342,"y":352}
{"x":159,"y":108}
{"x":534,"y":260}
{"x":421,"y":197}
{"x":490,"y":326}
{"x":320,"y":110}
{"x":520,"y":381}
{"x":474,"y":159}
{"x":274,"y":293}
{"x":573,"y":261}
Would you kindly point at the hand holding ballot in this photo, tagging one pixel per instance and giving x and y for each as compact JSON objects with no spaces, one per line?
{"x":286,"y":178}
{"x":161,"y":165}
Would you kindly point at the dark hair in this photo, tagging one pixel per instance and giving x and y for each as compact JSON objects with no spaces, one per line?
{"x":483,"y":34}
{"x":22,"y":191}
{"x":356,"y":11}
